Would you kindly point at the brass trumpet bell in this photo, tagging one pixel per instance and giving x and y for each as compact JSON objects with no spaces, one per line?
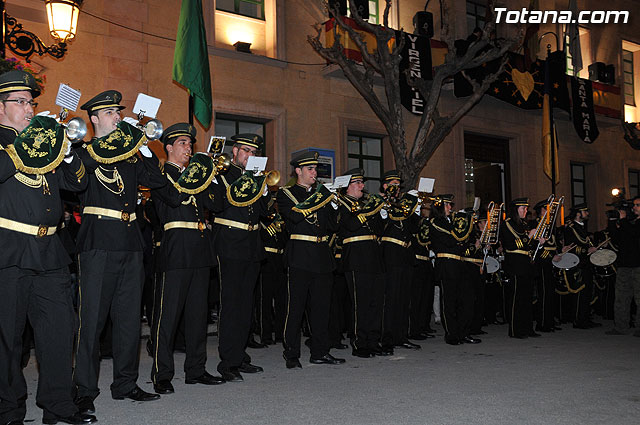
{"x":75,"y":129}
{"x":222,"y":163}
{"x":272,"y":177}
{"x":153,"y":129}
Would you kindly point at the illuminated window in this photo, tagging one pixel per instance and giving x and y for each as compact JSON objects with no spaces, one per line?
{"x":578,"y":184}
{"x":251,"y":8}
{"x":373,"y":11}
{"x":627,"y":71}
{"x":634,"y":183}
{"x":365,"y":151}
{"x":230,"y":125}
{"x":476,"y":15}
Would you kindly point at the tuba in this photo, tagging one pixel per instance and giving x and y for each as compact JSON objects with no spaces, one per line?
{"x":548,"y":221}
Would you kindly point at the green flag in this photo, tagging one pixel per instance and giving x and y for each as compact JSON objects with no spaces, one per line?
{"x":191,"y":59}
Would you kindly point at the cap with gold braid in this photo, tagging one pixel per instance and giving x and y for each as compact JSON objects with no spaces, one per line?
{"x":248,"y":139}
{"x":305,"y":158}
{"x":176,"y":130}
{"x":441,"y":199}
{"x":104,"y":100}
{"x":520,"y":202}
{"x":17,"y":80}
{"x":357,"y":174}
{"x":391,"y":175}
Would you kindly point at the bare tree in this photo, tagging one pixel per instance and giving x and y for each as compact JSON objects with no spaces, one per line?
{"x":411,"y":154}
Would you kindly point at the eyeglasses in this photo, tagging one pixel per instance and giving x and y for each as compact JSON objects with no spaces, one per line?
{"x":22,"y":102}
{"x":249,"y":151}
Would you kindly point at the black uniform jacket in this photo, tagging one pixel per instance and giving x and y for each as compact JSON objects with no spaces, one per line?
{"x":31,"y":205}
{"x":363,"y":255}
{"x":442,"y":240}
{"x":402,"y":230}
{"x":183,"y":248}
{"x":514,"y":235}
{"x":107,"y":233}
{"x":312,"y":256}
{"x":575,"y":233}
{"x":231,"y":242}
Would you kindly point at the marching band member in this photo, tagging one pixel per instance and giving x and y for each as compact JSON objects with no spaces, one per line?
{"x":401,"y":225}
{"x":184,"y":263}
{"x":362,"y":263}
{"x":36,"y":283}
{"x":516,"y":242}
{"x":310,"y":220}
{"x":110,"y":246}
{"x":239,"y":202}
{"x":580,"y":280}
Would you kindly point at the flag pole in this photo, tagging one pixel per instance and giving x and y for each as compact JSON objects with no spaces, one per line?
{"x":191,"y":109}
{"x":553,"y":131}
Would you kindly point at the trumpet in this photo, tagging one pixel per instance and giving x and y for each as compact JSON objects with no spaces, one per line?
{"x":222,"y":163}
{"x":75,"y":129}
{"x":153,"y":130}
{"x":272,"y":177}
{"x":548,"y":221}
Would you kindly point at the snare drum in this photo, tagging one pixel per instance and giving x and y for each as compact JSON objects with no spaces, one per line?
{"x":492,"y":265}
{"x":603,"y":257}
{"x":567,"y":261}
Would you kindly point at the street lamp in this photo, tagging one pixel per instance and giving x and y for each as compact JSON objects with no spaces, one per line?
{"x":63,"y":22}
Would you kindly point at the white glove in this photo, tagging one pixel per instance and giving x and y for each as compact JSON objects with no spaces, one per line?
{"x":334,"y":205}
{"x":266,"y":190}
{"x":214,"y":180}
{"x":67,"y":154}
{"x":46,"y":114}
{"x":383,"y":213}
{"x":417,"y":211}
{"x":145,"y":151}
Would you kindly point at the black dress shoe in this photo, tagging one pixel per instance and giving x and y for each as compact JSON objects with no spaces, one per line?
{"x":382,"y":351}
{"x":470,"y":340}
{"x":478,"y":332}
{"x":408,"y":345}
{"x":339,"y":346}
{"x":293,"y":363}
{"x":428,"y":335}
{"x":206,"y":379}
{"x":255,"y":344}
{"x":429,"y":330}
{"x":534,"y":335}
{"x":163,"y":387}
{"x":77,"y":418}
{"x":85,"y":405}
{"x":326,"y":359}
{"x":519,"y":336}
{"x":362,"y":353}
{"x":246,"y":367}
{"x":453,"y":341}
{"x":15,"y":422}
{"x":417,"y":337}
{"x":137,"y":394}
{"x":231,"y":375}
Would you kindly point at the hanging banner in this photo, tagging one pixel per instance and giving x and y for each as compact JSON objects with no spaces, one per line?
{"x":584,"y":118}
{"x":416,"y":57}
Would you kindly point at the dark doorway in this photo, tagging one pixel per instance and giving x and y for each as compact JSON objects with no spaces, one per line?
{"x":486,"y":169}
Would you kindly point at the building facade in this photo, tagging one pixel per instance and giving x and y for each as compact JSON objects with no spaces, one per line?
{"x":285,"y":91}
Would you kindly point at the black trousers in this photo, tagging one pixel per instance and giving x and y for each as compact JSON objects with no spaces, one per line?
{"x":181,"y":291}
{"x":582,"y":299}
{"x":110,"y":286}
{"x":367,"y":297}
{"x":397,"y":297}
{"x":45,"y":298}
{"x":456,"y":298}
{"x":478,"y":285}
{"x":545,"y":282}
{"x":311,"y":292}
{"x":421,"y":304}
{"x":272,"y":300}
{"x":519,"y":299}
{"x":339,"y":310}
{"x":237,"y":281}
